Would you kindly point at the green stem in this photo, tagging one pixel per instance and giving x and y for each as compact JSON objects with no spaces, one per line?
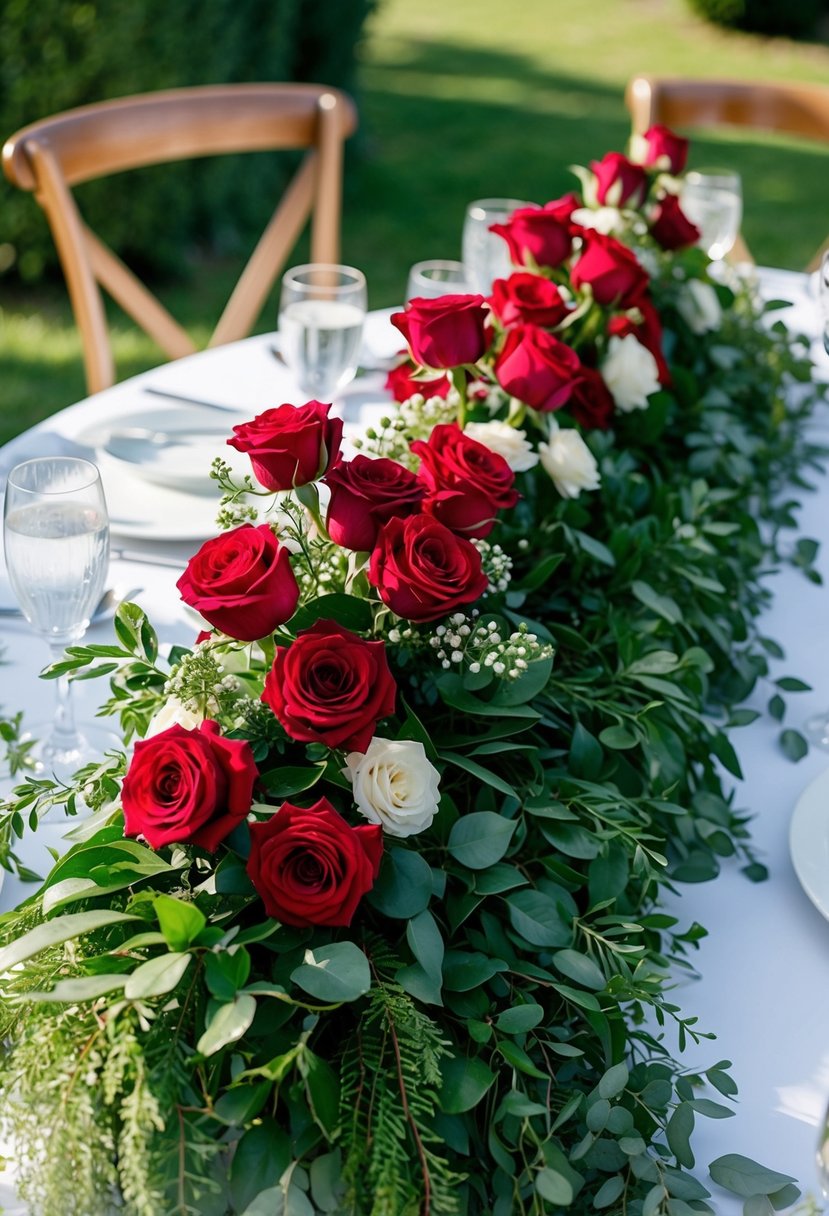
{"x":459,"y":382}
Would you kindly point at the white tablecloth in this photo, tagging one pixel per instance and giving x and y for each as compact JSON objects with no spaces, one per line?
{"x":764,"y":987}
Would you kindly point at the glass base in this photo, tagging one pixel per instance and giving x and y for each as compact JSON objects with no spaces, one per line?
{"x":59,"y":759}
{"x":816,"y":730}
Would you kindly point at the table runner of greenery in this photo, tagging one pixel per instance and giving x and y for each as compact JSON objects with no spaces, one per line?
{"x":534,"y":725}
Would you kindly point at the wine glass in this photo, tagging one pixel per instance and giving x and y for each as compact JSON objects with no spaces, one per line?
{"x":56,"y":535}
{"x":439,"y":277}
{"x":486,"y":255}
{"x":321,"y":313}
{"x":714,"y":202}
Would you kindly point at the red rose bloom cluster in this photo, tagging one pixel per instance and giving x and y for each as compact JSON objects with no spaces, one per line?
{"x":310,"y":867}
{"x":619,"y":182}
{"x":537,"y":368}
{"x":446,"y":332}
{"x":290,"y":445}
{"x":364,"y":494}
{"x":241,"y":582}
{"x":188,"y":787}
{"x":612,"y":271}
{"x":670,"y":225}
{"x":527,"y":299}
{"x":466,"y":482}
{"x":664,"y":148}
{"x":331,"y":686}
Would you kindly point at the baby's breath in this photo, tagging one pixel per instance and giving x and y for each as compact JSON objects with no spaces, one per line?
{"x":497,"y":565}
{"x":201,"y":685}
{"x":415,"y":419}
{"x":476,"y":645}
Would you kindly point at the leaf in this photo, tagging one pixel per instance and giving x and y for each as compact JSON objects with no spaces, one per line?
{"x":180,"y":922}
{"x":520,"y":1018}
{"x":678,"y":1132}
{"x":580,"y":968}
{"x":793,"y":744}
{"x":527,"y":686}
{"x":480,"y":839}
{"x":404,"y":886}
{"x":157,"y":976}
{"x":614,"y":1081}
{"x":334,"y":974}
{"x":241,"y":1103}
{"x":484,"y":775}
{"x":227,"y":1024}
{"x":538,"y":919}
{"x":464,"y":1084}
{"x":84,"y":988}
{"x":745,"y":1177}
{"x":54,"y":932}
{"x":346,"y":610}
{"x":289,"y":779}
{"x":262,"y":1154}
{"x":323,"y":1090}
{"x":554,"y":1187}
{"x":426,"y":944}
{"x":662,"y":605}
{"x":609,"y":1191}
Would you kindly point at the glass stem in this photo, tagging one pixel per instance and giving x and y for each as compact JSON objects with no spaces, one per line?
{"x":64,"y":737}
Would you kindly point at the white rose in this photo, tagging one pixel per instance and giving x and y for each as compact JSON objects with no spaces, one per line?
{"x":608,"y":220}
{"x":394,"y":785}
{"x":504,"y":439}
{"x":570,"y":463}
{"x":173,"y":713}
{"x":629,"y":370}
{"x":699,"y":307}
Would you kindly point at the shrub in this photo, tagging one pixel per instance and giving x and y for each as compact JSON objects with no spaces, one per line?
{"x":797,"y":20}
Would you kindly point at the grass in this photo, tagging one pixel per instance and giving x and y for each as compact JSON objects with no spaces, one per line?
{"x":462,"y":99}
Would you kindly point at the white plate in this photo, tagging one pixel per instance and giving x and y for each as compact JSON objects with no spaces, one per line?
{"x":170,"y":448}
{"x":809,"y":841}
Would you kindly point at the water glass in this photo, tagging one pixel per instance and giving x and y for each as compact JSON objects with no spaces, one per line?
{"x":430,"y":280}
{"x":321,"y":314}
{"x":714,"y":202}
{"x":485,"y":254}
{"x":56,"y":536}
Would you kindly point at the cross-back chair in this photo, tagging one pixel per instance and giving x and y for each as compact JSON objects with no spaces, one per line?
{"x":51,"y":156}
{"x":793,"y":109}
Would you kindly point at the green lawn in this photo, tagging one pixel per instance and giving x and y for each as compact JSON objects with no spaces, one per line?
{"x":466,"y":98}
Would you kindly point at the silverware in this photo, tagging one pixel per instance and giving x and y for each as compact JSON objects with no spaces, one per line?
{"x":209,"y":405}
{"x":104,"y":609}
{"x":148,"y":559}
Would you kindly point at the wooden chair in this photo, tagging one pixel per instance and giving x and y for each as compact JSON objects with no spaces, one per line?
{"x":53,"y":155}
{"x":794,"y":109}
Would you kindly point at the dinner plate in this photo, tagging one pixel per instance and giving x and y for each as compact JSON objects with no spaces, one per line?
{"x":172,"y":448}
{"x":809,"y":841}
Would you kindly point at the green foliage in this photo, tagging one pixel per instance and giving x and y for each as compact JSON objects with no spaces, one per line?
{"x":764,"y":16}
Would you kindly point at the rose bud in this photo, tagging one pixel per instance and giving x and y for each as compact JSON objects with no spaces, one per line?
{"x":526,"y":298}
{"x":670,"y":226}
{"x":662,"y":148}
{"x":567,"y":459}
{"x":466,"y":482}
{"x":365,"y":493}
{"x":310,"y":867}
{"x":591,"y":404}
{"x":446,"y":332}
{"x":537,"y":368}
{"x":619,"y":182}
{"x":402,"y":386}
{"x":188,"y":787}
{"x":290,"y":445}
{"x":543,"y":233}
{"x":423,"y":571}
{"x":611,"y":270}
{"x":330,"y":686}
{"x":242,"y":583}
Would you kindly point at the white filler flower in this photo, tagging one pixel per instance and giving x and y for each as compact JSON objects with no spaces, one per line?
{"x":173,"y":713}
{"x":395,"y":785}
{"x":699,"y":307}
{"x":629,"y":370}
{"x":569,"y":462}
{"x":504,"y":439}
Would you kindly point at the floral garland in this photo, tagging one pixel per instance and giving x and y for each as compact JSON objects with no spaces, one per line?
{"x":369,"y":921}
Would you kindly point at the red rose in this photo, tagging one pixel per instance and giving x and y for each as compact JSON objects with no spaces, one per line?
{"x":445,"y":332}
{"x":648,"y":331}
{"x":537,"y":367}
{"x":670,"y":226}
{"x":543,"y":233}
{"x":364,"y":494}
{"x":330,"y":686}
{"x":423,"y":571}
{"x":526,"y":298}
{"x":310,"y":867}
{"x":611,"y":270}
{"x":665,"y":149}
{"x":188,"y":787}
{"x":400,"y":384}
{"x":290,"y":445}
{"x":241,"y":582}
{"x":619,"y":182}
{"x":467,"y":483}
{"x":591,"y":404}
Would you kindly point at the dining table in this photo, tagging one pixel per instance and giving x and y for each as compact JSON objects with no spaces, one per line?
{"x":760,"y":980}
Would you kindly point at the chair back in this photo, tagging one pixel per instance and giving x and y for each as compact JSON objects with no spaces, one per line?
{"x":51,"y":156}
{"x":794,"y":109}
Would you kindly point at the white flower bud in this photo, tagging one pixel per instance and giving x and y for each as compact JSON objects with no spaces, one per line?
{"x":395,"y":785}
{"x":504,"y":439}
{"x":570,"y":463}
{"x":173,"y":713}
{"x":699,"y":307}
{"x":630,"y":372}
